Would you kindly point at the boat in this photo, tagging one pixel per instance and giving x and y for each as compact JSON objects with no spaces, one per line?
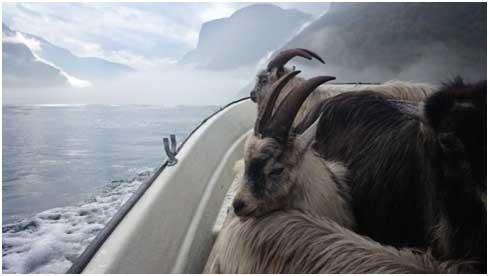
{"x":169,"y":223}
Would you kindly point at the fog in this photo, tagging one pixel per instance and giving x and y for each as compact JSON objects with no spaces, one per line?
{"x":174,"y":85}
{"x":432,"y":69}
{"x":359,"y":43}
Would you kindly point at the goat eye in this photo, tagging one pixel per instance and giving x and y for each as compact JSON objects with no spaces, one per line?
{"x":276,"y":171}
{"x":262,"y":79}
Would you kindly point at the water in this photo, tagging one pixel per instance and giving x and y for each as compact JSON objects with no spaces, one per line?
{"x":68,"y":168}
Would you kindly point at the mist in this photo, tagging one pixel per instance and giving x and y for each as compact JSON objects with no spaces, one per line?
{"x":431,"y":68}
{"x":359,"y":43}
{"x":175,"y":85}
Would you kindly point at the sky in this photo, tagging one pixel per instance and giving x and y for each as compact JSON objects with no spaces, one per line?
{"x":150,"y":37}
{"x":141,"y":35}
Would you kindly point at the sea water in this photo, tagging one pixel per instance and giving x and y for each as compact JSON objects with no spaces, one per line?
{"x":68,"y":168}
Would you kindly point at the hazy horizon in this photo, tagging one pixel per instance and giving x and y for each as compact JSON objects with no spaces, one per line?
{"x":209,"y":53}
{"x":164,"y":33}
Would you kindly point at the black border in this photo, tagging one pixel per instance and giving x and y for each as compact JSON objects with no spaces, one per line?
{"x":82,"y":261}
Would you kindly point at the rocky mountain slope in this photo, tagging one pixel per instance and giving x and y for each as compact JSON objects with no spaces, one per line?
{"x":245,"y":37}
{"x":410,"y":41}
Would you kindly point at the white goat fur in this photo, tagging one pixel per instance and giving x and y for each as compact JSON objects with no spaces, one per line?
{"x":315,"y":239}
{"x":294,"y":242}
{"x":312,"y":184}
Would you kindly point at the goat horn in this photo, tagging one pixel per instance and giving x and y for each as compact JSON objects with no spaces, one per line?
{"x":285,"y":114}
{"x":314,"y":55}
{"x":283,"y":57}
{"x":269,"y":101}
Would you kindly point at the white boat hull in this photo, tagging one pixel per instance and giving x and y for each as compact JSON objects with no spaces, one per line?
{"x":169,"y":229}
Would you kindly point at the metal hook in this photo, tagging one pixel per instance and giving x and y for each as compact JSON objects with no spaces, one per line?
{"x":173,"y":141}
{"x":171,"y":152}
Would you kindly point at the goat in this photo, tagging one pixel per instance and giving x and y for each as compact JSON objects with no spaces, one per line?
{"x":387,"y":161}
{"x":294,"y":242}
{"x":275,"y":69}
{"x":281,"y":172}
{"x":416,"y":173}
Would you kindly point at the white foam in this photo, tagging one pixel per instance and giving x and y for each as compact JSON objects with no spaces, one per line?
{"x":50,"y":241}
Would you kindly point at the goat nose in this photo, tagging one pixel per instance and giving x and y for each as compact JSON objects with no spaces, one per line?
{"x":238,"y":205}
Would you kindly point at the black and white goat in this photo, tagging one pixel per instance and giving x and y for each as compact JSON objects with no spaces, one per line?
{"x":276,"y":69}
{"x":416,"y":173}
{"x":282,"y":172}
{"x":413,"y":174}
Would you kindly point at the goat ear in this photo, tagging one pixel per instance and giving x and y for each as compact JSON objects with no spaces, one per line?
{"x":275,"y":73}
{"x":284,"y":116}
{"x":311,"y":116}
{"x":455,"y":105}
{"x":461,"y":109}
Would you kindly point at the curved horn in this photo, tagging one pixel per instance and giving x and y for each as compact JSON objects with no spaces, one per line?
{"x":285,"y":114}
{"x":283,"y":57}
{"x":269,"y":101}
{"x":314,"y":55}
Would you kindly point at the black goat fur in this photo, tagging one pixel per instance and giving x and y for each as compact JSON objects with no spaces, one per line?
{"x":416,"y":177}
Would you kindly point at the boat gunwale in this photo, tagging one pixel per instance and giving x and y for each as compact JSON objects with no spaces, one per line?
{"x":89,"y":252}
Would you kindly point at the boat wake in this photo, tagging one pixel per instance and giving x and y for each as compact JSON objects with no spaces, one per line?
{"x":51,"y":240}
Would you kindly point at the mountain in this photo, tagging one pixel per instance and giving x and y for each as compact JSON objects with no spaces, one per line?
{"x":22,"y":69}
{"x":409,"y":41}
{"x":48,"y":64}
{"x":90,"y":68}
{"x":245,"y":37}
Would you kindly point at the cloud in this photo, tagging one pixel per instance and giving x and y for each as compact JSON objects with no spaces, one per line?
{"x":33,"y":44}
{"x":216,"y":10}
{"x":150,"y":37}
{"x":138,"y":61}
{"x":104,"y":30}
{"x":83,"y":48}
{"x":75,"y":82}
{"x":316,"y":8}
{"x":147,"y":31}
{"x":134,"y":60}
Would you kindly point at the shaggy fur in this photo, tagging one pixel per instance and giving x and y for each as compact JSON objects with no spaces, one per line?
{"x":461,"y":109}
{"x":293,"y":242}
{"x":392,"y":89}
{"x":305,"y":182}
{"x":415,"y":175}
{"x":408,"y":170}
